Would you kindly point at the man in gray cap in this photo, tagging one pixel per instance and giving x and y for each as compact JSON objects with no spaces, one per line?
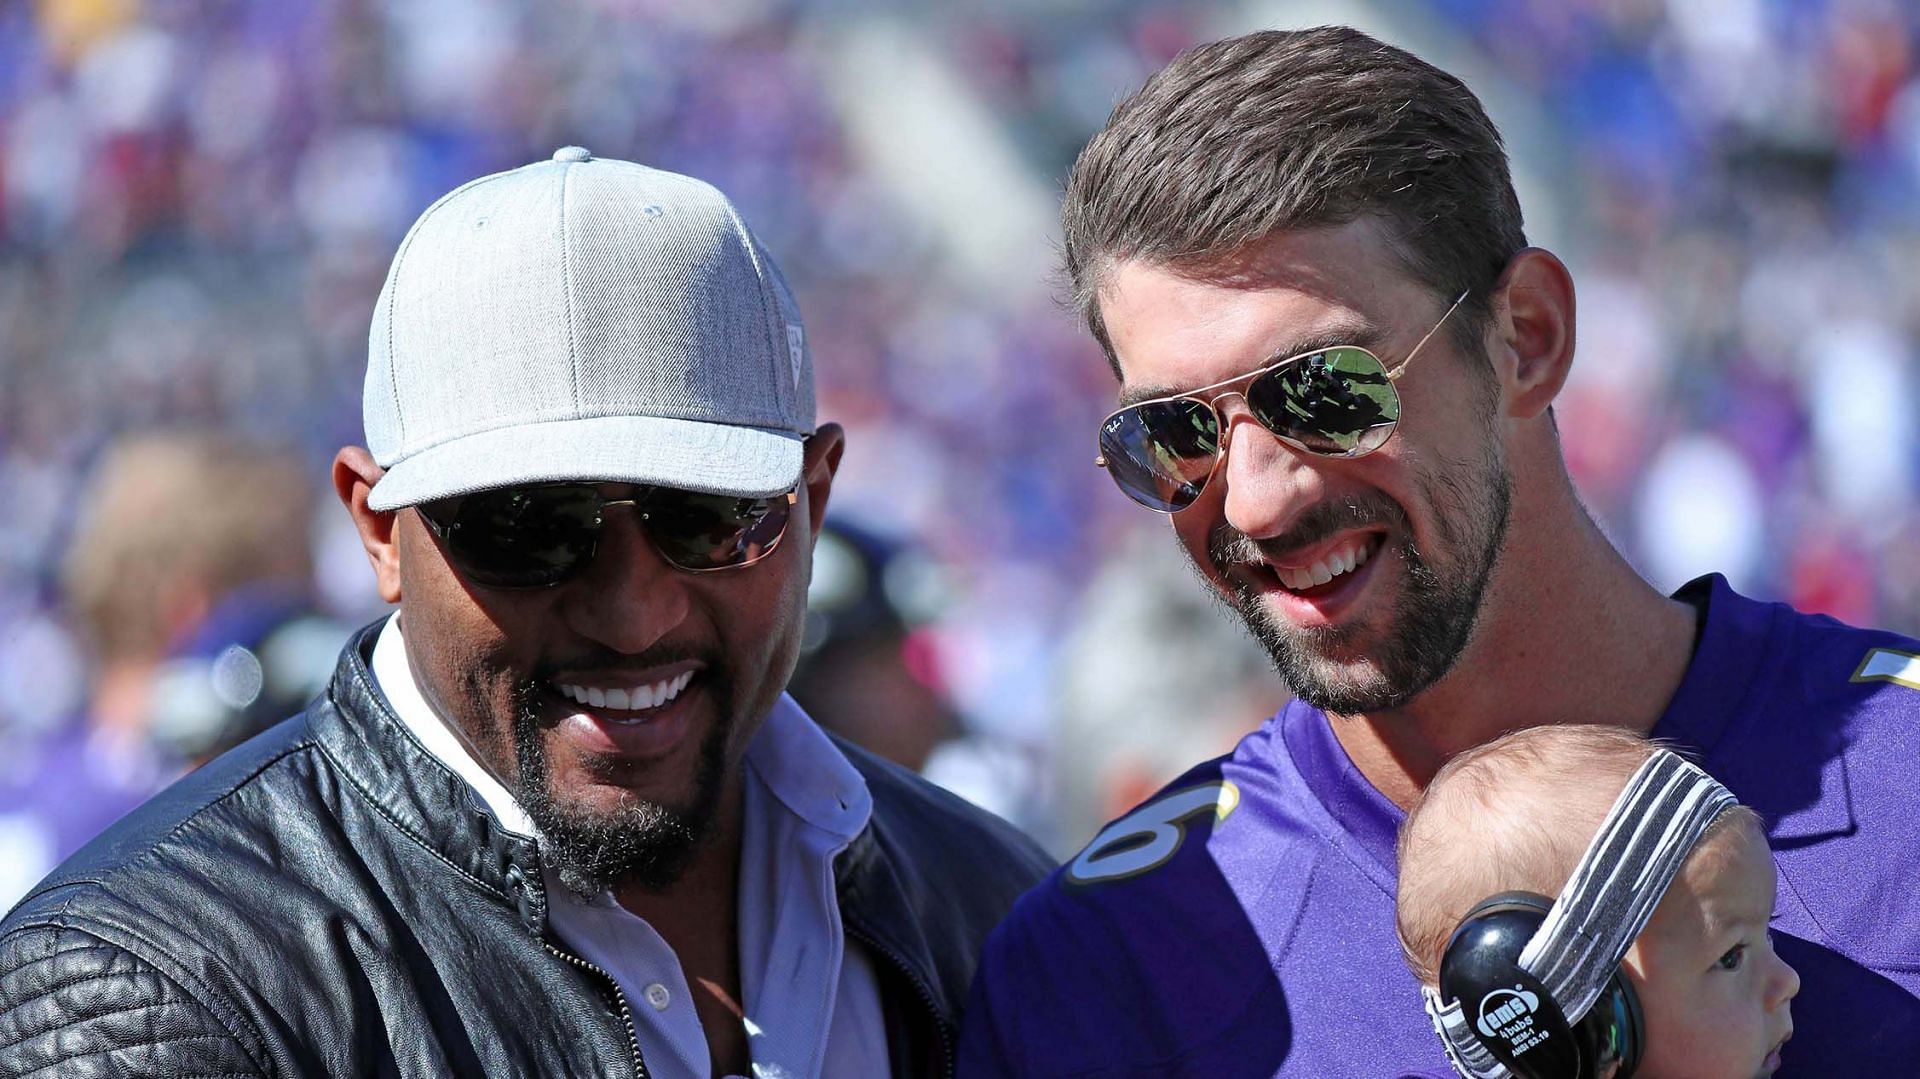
{"x":557,"y":817}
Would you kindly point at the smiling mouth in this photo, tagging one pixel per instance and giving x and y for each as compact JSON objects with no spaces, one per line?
{"x":649,"y":697}
{"x":1331,"y":568}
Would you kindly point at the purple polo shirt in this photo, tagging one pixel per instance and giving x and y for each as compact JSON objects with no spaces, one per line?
{"x":1240,"y":922}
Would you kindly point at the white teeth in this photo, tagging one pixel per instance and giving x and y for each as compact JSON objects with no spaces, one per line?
{"x":636,"y":698}
{"x":1343,"y":561}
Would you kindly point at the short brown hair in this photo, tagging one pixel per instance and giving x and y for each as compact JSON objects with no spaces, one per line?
{"x":1289,"y":129}
{"x":1513,"y":814}
{"x":168,"y":511}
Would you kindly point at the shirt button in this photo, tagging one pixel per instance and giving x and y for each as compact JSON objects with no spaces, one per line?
{"x":658,"y":996}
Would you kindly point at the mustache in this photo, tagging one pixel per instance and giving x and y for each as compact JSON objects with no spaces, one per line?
{"x":1227,"y":546}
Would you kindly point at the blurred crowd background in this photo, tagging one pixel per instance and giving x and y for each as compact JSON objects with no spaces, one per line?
{"x":199,"y":199}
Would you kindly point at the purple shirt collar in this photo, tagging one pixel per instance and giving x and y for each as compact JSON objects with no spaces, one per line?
{"x":1726,"y":716}
{"x":1710,"y":717}
{"x":1365,"y":819}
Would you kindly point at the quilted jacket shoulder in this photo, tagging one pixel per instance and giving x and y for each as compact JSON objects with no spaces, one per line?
{"x":78,"y":1006}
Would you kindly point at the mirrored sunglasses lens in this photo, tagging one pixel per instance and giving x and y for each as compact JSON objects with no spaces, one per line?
{"x":1339,"y":402}
{"x":524,"y":537}
{"x":702,"y":531}
{"x":1162,"y":452}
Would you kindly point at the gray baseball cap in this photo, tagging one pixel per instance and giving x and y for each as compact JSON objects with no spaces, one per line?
{"x":584,"y":319}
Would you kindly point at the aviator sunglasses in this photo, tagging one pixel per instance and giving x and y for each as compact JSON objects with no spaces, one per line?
{"x":1331,"y":402}
{"x":540,"y":535}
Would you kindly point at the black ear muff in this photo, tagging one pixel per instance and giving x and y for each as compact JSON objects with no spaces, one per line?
{"x":1511,"y":1013}
{"x":1508,"y":1010}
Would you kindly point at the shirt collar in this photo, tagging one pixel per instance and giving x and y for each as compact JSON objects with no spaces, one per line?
{"x":1732,"y":709}
{"x":1366,"y":818}
{"x":1732,"y":643}
{"x":1735,"y":644}
{"x":808,"y":774}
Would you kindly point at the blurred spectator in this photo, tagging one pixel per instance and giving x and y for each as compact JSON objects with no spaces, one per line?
{"x":1153,"y":675}
{"x":258,"y":658}
{"x":188,"y":550}
{"x":868,"y":671}
{"x":174,"y":530}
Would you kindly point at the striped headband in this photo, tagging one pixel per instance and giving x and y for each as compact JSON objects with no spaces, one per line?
{"x":1646,"y":837}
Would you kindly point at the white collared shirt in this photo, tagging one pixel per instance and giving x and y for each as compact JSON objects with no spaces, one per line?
{"x":811,"y":999}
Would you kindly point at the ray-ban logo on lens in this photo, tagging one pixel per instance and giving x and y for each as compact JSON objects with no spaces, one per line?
{"x":1507,"y":1014}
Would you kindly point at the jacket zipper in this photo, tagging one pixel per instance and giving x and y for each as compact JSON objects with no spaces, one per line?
{"x":920,"y":986}
{"x":626,"y":1014}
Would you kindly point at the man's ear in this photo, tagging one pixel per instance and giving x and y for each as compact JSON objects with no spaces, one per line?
{"x":822,"y":460}
{"x":354,"y":474}
{"x":1533,"y":317}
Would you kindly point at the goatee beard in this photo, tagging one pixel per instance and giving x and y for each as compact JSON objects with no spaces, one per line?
{"x":640,"y":843}
{"x":1432,"y":620}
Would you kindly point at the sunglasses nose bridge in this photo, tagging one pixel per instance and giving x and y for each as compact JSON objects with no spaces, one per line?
{"x":600,"y":516}
{"x":1229,"y":414}
{"x":628,"y":595}
{"x":626,"y":517}
{"x":1284,"y":451}
{"x":1223,"y":413}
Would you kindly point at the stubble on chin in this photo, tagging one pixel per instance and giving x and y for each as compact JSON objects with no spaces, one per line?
{"x":638,"y":842}
{"x":1428,"y":625}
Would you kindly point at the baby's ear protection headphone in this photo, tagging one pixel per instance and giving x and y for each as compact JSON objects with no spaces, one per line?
{"x":1516,"y":1017}
{"x":1531,"y":988}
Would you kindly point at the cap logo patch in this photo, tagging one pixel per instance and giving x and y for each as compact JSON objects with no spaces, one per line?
{"x":796,"y":351}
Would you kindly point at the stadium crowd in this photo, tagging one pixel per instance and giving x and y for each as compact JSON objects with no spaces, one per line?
{"x":198,"y":202}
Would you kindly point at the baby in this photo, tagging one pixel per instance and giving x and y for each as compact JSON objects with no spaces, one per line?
{"x":1519,"y":813}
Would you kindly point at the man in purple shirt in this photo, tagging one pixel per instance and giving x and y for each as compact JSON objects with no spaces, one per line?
{"x":1337,"y":356}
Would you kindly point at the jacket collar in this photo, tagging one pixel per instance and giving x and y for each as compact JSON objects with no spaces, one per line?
{"x":887,"y":905}
{"x":394,"y":680}
{"x":422,"y":797}
{"x":417,"y":793}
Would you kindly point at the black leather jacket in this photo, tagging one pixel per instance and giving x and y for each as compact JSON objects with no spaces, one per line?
{"x":329,"y":899}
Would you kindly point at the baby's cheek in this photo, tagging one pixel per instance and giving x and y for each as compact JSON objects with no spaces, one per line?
{"x":1713,"y":1032}
{"x":1679,"y":1037}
